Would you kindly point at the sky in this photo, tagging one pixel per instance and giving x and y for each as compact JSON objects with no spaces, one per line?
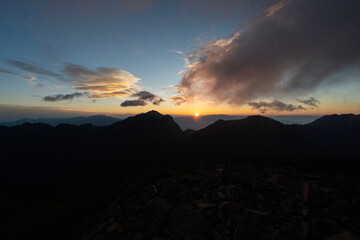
{"x":239,"y":57}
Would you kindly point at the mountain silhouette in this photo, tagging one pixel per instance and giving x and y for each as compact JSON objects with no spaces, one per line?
{"x":338,"y":122}
{"x":252,"y":136}
{"x":40,"y":162}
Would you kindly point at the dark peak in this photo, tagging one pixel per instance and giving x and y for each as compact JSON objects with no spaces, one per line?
{"x":255,"y":121}
{"x":219,"y":123}
{"x":189,"y":131}
{"x":339,"y":116}
{"x":152,"y":114}
{"x":336,"y":119}
{"x":143,"y":117}
{"x":151,"y":120}
{"x":258,"y":119}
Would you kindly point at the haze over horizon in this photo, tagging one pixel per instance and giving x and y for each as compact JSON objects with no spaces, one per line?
{"x":291,"y":57}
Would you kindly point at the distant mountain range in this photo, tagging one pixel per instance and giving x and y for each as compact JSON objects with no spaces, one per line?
{"x":185,"y":122}
{"x":96,"y":120}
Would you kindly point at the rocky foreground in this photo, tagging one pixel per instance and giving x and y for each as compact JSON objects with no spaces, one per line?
{"x":236,"y":202}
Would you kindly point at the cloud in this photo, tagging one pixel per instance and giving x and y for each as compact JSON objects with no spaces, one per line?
{"x":147,"y":96}
{"x":102,"y":83}
{"x":178,"y":100}
{"x":7,"y":71}
{"x":133,"y":103}
{"x":176,"y":51}
{"x":274,"y":9}
{"x":295,"y":47}
{"x":32,"y":68}
{"x":63,"y":97}
{"x":104,"y":88}
{"x":103,"y":77}
{"x":275,"y":105}
{"x":109,"y":94}
{"x":32,"y":82}
{"x":311,"y":101}
{"x":143,"y":98}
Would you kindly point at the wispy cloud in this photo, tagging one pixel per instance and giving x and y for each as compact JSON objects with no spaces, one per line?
{"x":108,"y":94}
{"x":274,"y":9}
{"x":32,"y":68}
{"x":102,"y":83}
{"x":176,"y":51}
{"x":7,"y":72}
{"x":31,"y":80}
{"x":178,"y":100}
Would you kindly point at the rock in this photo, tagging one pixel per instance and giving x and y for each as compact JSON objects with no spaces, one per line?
{"x":156,"y":206}
{"x":173,"y":190}
{"x":257,"y":212}
{"x":138,"y":236}
{"x":237,"y":202}
{"x":226,"y":209}
{"x":201,"y":204}
{"x":188,"y":222}
{"x":344,"y":236}
{"x":235,"y":219}
{"x":112,"y":227}
{"x":251,"y":173}
{"x":221,"y":195}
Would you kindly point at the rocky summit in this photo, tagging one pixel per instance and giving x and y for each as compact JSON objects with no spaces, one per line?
{"x":235,"y":201}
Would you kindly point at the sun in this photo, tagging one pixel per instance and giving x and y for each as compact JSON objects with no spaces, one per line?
{"x":196,"y":114}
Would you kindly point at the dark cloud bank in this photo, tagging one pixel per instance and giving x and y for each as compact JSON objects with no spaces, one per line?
{"x":294,"y":48}
{"x":263,"y":107}
{"x":311,"y":101}
{"x":143,"y":98}
{"x":63,"y":97}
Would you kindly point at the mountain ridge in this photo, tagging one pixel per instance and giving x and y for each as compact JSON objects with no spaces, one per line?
{"x":39,"y":161}
{"x":185,"y":122}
